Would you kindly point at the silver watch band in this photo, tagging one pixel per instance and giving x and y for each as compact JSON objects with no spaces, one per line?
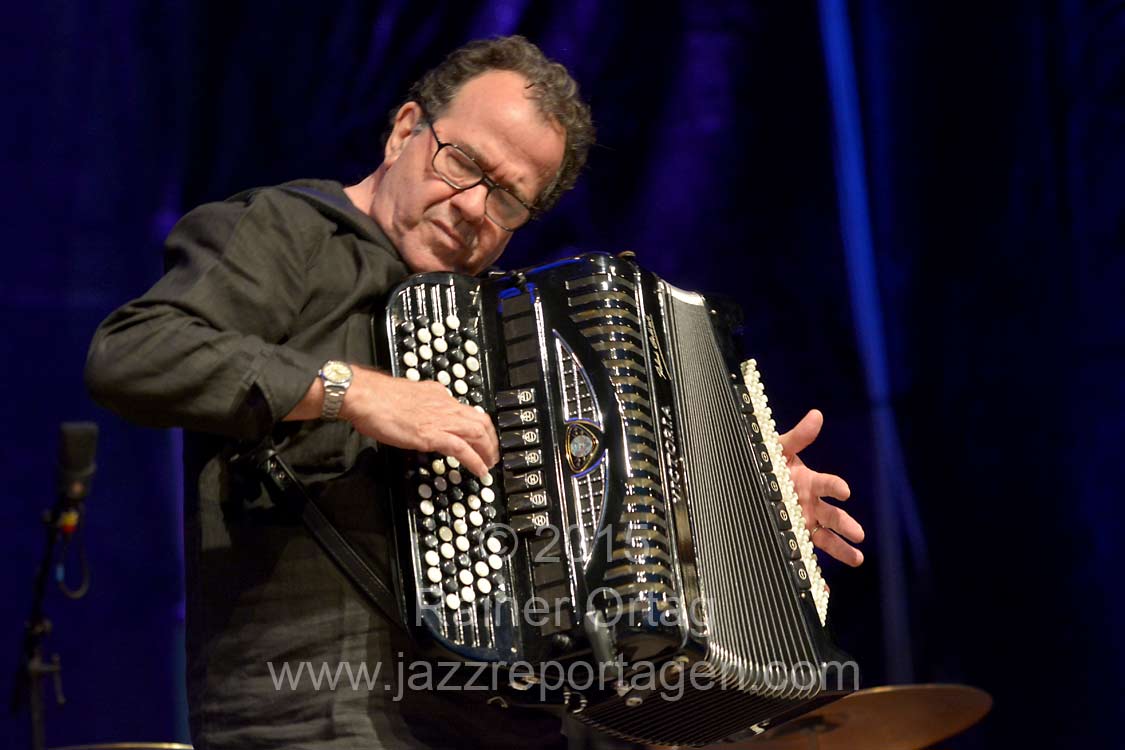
{"x":333,"y":400}
{"x":336,"y":376}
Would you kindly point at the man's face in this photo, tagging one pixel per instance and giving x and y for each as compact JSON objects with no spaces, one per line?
{"x":434,"y":226}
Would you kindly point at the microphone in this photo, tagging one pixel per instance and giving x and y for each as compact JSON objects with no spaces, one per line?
{"x":78,"y":442}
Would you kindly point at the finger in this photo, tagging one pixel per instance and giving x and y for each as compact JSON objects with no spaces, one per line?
{"x":804,"y":433}
{"x":829,"y":485}
{"x":449,"y":444}
{"x":828,"y":541}
{"x":491,"y":438}
{"x":476,"y":429}
{"x":837,"y":520}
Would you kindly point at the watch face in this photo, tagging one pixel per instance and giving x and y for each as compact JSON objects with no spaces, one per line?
{"x":337,"y":372}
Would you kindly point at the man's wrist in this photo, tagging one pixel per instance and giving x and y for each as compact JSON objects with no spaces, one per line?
{"x":311,"y":404}
{"x":336,"y":377}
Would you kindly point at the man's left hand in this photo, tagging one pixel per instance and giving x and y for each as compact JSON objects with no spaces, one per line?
{"x":813,"y":486}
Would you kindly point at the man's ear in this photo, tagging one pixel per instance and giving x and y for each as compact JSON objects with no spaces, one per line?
{"x":406,"y":119}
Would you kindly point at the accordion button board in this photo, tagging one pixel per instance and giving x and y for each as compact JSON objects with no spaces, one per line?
{"x":641,"y":511}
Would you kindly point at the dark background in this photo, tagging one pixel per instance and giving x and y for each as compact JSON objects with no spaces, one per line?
{"x":920,"y":206}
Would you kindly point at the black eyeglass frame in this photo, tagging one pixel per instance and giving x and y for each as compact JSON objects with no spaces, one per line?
{"x":491,"y":184}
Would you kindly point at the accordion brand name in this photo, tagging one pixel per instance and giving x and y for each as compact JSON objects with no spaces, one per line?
{"x":671,"y":453}
{"x":657,"y":354}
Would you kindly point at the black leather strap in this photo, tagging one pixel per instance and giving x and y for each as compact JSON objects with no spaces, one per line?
{"x":290,"y":490}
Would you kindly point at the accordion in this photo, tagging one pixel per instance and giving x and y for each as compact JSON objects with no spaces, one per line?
{"x":640,"y":535}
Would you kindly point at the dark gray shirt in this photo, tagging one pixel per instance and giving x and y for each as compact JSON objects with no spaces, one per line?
{"x":259,"y":291}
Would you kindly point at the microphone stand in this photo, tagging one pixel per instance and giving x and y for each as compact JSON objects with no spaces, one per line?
{"x":77,"y":446}
{"x":33,"y":669}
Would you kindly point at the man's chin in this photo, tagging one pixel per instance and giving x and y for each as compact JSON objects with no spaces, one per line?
{"x":430,"y":261}
{"x":426,"y":257}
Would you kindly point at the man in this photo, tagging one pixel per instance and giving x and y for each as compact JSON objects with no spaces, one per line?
{"x":261,"y":326}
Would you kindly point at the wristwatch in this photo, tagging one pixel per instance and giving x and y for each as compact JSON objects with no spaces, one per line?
{"x":337,"y":376}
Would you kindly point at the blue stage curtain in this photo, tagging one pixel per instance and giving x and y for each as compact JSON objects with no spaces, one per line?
{"x":919,"y":208}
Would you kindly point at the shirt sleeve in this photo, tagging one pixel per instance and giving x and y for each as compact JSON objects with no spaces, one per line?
{"x":204,"y":348}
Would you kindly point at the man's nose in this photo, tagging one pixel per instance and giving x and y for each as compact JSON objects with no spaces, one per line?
{"x":471,"y":202}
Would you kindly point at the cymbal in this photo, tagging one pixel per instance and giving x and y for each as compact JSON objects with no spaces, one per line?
{"x":128,"y":746}
{"x":895,"y":717}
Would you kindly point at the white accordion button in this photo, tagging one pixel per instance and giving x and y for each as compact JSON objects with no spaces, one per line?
{"x":471,"y":347}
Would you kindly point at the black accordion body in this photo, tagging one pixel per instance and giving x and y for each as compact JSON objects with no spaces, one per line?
{"x":641,"y":529}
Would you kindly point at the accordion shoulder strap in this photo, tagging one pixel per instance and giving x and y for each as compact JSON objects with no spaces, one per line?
{"x":286,"y":485}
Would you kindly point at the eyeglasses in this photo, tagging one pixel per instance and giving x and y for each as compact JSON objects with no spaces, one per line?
{"x":461,"y":172}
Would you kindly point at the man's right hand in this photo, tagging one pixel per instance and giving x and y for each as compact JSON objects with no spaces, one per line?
{"x":420,"y":416}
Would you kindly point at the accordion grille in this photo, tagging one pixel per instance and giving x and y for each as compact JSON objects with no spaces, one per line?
{"x":604,"y":307}
{"x":758,"y":639}
{"x":580,"y":404}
